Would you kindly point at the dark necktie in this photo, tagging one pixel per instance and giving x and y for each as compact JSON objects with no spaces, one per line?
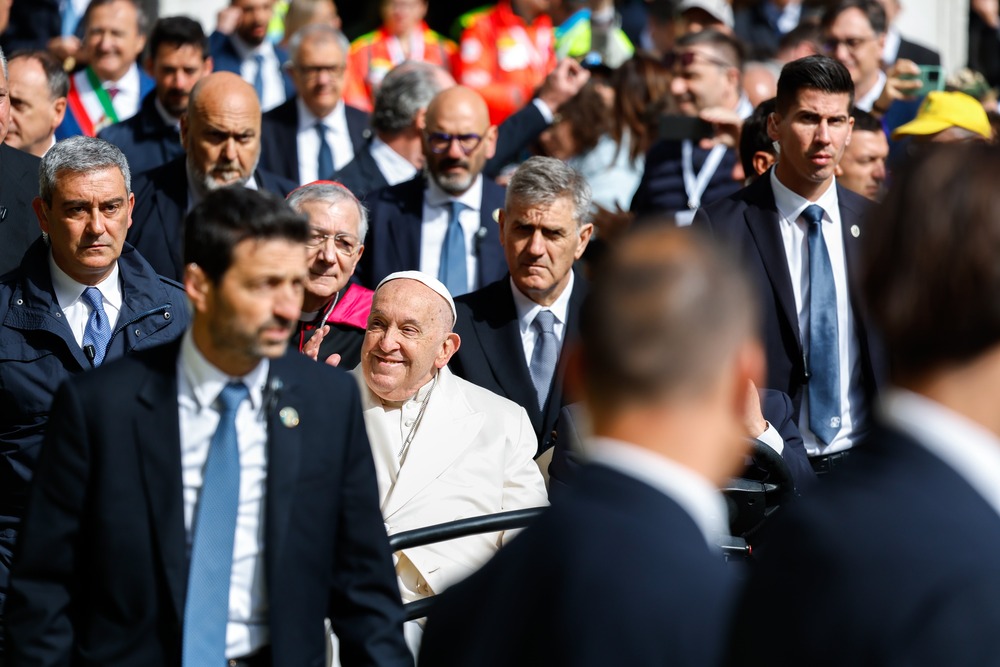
{"x":453,"y":270}
{"x":325,"y":161}
{"x":545,"y":355}
{"x":824,"y":343}
{"x":98,"y":331}
{"x":206,"y":611}
{"x":258,"y":77}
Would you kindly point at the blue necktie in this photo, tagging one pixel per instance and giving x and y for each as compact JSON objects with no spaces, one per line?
{"x":545,"y":355}
{"x":325,"y":154}
{"x":453,"y":271}
{"x":98,"y":331}
{"x":258,"y":78}
{"x":824,"y":343}
{"x":206,"y":611}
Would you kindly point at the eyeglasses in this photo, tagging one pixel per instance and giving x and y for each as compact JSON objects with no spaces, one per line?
{"x":344,"y":244}
{"x":852,"y":43}
{"x":313,"y":71}
{"x":687,"y":58}
{"x":440,"y":142}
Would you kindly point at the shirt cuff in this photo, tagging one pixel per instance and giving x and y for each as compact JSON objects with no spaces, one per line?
{"x":544,"y":109}
{"x":772,"y":438}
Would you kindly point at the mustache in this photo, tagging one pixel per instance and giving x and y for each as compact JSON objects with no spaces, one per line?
{"x":449,"y":163}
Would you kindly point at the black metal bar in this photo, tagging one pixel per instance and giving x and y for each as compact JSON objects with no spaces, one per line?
{"x":473,"y":525}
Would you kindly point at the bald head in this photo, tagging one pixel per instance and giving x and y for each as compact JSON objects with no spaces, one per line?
{"x":221,"y":132}
{"x":458,"y":138}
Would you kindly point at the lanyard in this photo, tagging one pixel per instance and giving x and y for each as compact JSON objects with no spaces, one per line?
{"x":395,"y":47}
{"x":102,"y":96}
{"x":537,"y":50}
{"x":695,"y":186}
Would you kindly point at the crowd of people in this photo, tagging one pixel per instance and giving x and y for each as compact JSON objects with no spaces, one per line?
{"x":269,"y":297}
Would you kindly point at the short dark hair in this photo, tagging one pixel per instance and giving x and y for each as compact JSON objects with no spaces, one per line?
{"x":805,"y":32}
{"x":930,"y":275}
{"x":55,"y":75}
{"x":668,"y":306}
{"x":754,"y":136}
{"x":872,"y":9}
{"x":817,"y":72}
{"x":140,"y":15}
{"x":728,"y":47}
{"x":177,"y":31}
{"x":227,"y":216}
{"x":865,"y":122}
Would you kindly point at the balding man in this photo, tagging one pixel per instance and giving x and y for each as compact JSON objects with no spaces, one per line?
{"x":221,"y":138}
{"x":314,"y":134}
{"x":624,"y":569}
{"x":444,"y":448}
{"x":443,"y":225}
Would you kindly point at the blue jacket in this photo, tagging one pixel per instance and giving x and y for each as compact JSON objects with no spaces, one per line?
{"x":38,"y":352}
{"x":145,"y":139}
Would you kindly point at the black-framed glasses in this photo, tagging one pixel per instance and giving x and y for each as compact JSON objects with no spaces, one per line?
{"x":440,"y":142}
{"x":343,"y":243}
{"x":688,"y":58}
{"x":313,"y":71}
{"x":830,"y":44}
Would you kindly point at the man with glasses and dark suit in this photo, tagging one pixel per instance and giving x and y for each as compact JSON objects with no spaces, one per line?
{"x":442,"y":225}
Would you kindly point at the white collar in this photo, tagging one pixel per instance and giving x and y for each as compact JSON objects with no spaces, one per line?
{"x":207,"y":381}
{"x":893,"y":40}
{"x":129,"y":81}
{"x":791,"y":204}
{"x":68,"y":290}
{"x":695,"y":494}
{"x":965,"y":446}
{"x":867,"y":101}
{"x":528,"y":309}
{"x":472,"y":198}
{"x":336,"y":119}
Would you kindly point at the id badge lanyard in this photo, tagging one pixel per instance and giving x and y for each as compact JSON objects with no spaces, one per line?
{"x":695,"y":185}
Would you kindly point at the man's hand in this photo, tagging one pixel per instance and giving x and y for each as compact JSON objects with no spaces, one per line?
{"x":988,"y":11}
{"x":753,"y":419}
{"x":726,"y":126}
{"x":311,"y":348}
{"x":609,"y":225}
{"x":228,"y":19}
{"x":64,"y":48}
{"x":563,"y":83}
{"x":897,"y":87}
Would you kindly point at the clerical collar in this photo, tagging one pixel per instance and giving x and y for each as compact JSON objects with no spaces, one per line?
{"x":416,"y":398}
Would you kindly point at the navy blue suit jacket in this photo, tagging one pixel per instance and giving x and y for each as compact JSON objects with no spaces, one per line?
{"x":618,"y":574}
{"x":395,"y":224}
{"x":18,"y":188}
{"x":748,"y":222}
{"x":279,"y":147}
{"x":145,"y":139}
{"x":362,"y":175}
{"x":774,"y":405}
{"x":226,"y":59}
{"x":661,"y":189}
{"x":492,"y":354}
{"x":161,"y":202}
{"x":889,"y":562}
{"x":100,"y":577}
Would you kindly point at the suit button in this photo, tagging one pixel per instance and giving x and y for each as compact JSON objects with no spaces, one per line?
{"x":166,"y":315}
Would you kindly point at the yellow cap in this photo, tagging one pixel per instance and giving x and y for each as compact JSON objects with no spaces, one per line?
{"x":943,"y":109}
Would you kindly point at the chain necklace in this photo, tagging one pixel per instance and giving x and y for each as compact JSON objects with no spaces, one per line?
{"x":416,"y":422}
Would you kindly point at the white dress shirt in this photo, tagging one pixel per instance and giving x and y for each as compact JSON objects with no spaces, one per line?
{"x":868,"y":100}
{"x":965,"y":446}
{"x":434,"y":229}
{"x":695,"y":494}
{"x":199,"y":384}
{"x":890,"y":52}
{"x":794,"y":235}
{"x":76,"y":310}
{"x":527,"y":310}
{"x":274,"y":82}
{"x":337,"y":137}
{"x":394,"y":167}
{"x":125,"y":102}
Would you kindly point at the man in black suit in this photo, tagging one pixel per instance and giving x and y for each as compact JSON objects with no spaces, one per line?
{"x":544,"y":229}
{"x":885,"y":565}
{"x":203,"y":502}
{"x":444,"y":224}
{"x":178,"y":58}
{"x":799,"y":234}
{"x":221,"y":138}
{"x":626,"y":562}
{"x":314,"y":134}
{"x":898,"y":47}
{"x":395,"y":153}
{"x":18,"y":188}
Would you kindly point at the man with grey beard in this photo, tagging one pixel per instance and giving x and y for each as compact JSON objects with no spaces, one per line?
{"x":221,"y":139}
{"x":441,"y":222}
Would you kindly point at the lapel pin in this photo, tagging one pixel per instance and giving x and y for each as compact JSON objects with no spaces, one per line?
{"x":289,"y":417}
{"x":855,"y":231}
